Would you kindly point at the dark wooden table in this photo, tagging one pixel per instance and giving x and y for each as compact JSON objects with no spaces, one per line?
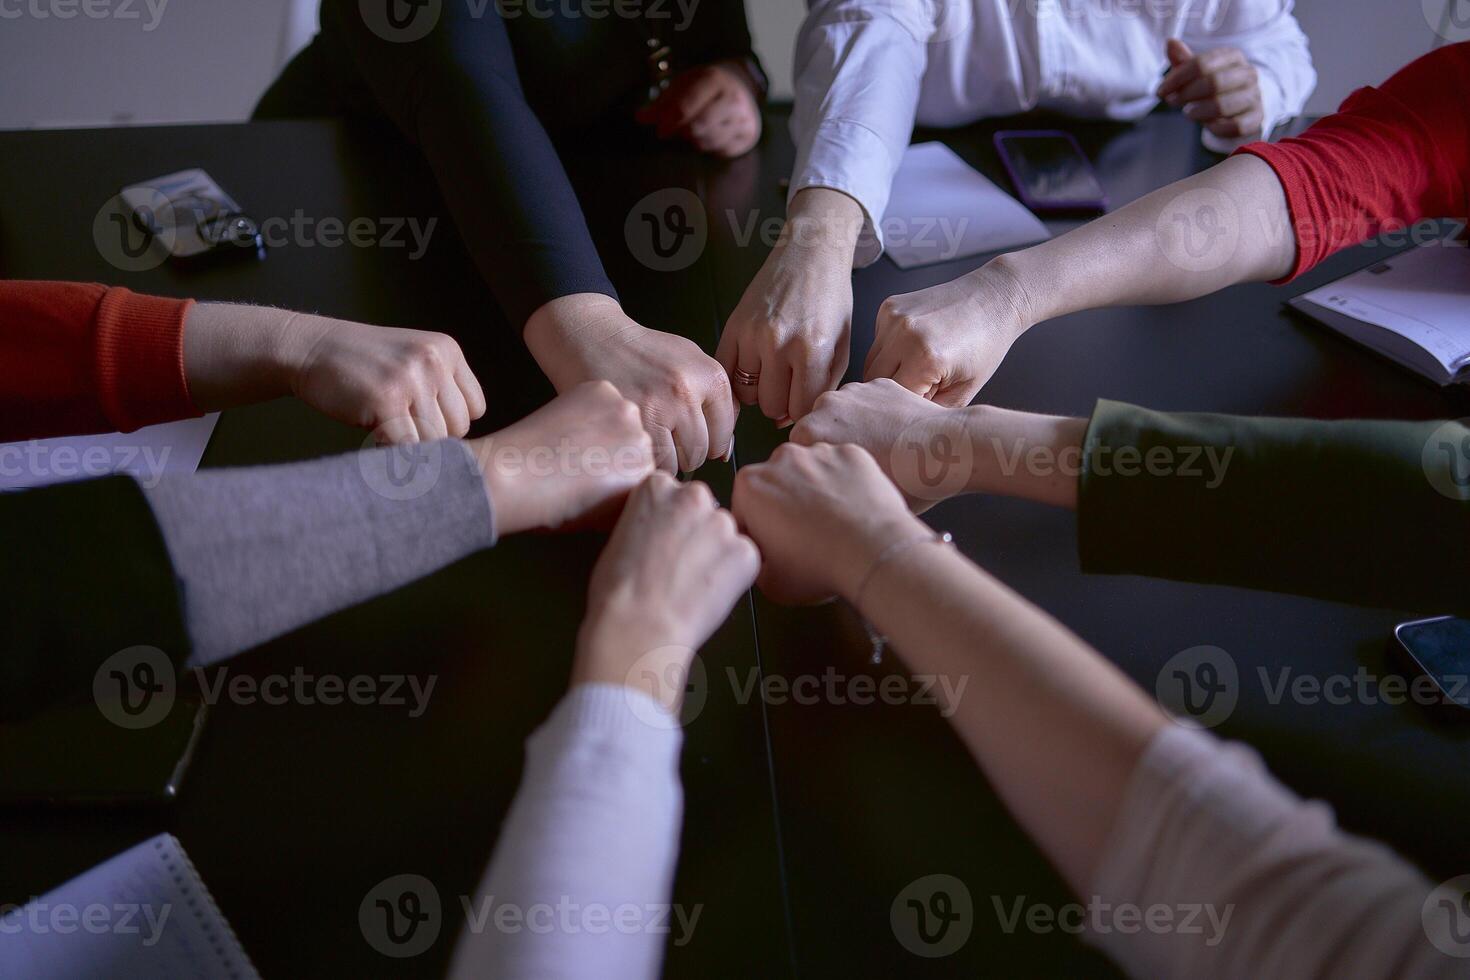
{"x":803,"y":821}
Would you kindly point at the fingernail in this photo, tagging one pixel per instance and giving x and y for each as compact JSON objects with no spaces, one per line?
{"x":785,"y":423}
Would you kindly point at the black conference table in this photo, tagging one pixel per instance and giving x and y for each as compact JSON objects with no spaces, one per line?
{"x":804,"y":821}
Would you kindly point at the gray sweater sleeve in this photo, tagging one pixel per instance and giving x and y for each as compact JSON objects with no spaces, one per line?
{"x":260,"y":551}
{"x":579,"y":885}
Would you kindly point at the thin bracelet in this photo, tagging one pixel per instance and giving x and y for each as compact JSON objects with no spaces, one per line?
{"x":888,"y":554}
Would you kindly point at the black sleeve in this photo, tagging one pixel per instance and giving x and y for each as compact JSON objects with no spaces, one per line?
{"x":455,"y":93}
{"x":85,"y":575}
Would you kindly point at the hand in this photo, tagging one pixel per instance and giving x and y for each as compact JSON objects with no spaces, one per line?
{"x":682,"y":393}
{"x":946,"y":341}
{"x":672,"y":570}
{"x":792,"y":328}
{"x":571,"y":461}
{"x":923,"y":448}
{"x":406,"y":385}
{"x":713,"y":107}
{"x":821,"y":515}
{"x":1218,"y":88}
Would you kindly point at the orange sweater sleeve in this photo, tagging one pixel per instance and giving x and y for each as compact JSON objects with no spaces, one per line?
{"x":79,"y":358}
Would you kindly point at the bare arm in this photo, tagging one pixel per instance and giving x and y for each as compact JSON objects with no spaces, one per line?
{"x":1224,"y":226}
{"x":823,"y":516}
{"x":1227,"y":225}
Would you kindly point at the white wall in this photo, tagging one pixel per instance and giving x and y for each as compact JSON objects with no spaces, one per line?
{"x":103,"y":62}
{"x":209,"y":60}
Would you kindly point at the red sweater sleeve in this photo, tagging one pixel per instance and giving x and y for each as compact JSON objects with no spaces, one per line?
{"x":78,"y":358}
{"x":1389,"y":157}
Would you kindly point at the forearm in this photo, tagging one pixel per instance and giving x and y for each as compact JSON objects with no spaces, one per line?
{"x":1056,"y":728}
{"x":238,"y":355}
{"x":1023,"y":454}
{"x":261,"y":551}
{"x":594,"y":829}
{"x":1227,"y":225}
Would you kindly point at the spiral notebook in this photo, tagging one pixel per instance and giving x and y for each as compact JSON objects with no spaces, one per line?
{"x":143,"y":913}
{"x":1413,"y":309}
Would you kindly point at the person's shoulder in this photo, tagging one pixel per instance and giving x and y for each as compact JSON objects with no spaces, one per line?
{"x":1442,"y":75}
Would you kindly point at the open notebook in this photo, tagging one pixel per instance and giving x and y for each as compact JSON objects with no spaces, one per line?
{"x":143,"y":913}
{"x":1413,"y":309}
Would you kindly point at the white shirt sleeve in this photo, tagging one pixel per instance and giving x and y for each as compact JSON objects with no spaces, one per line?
{"x":1275,"y":889}
{"x":859,"y":64}
{"x":584,"y":867}
{"x":1268,"y":34}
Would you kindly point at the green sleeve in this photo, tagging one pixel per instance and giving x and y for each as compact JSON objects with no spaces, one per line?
{"x":1375,"y":513}
{"x":85,"y":574}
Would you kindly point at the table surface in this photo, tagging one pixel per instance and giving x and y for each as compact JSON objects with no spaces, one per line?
{"x":804,"y":821}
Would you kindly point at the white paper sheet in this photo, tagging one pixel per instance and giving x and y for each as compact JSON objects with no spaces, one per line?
{"x":147,"y":454}
{"x":941,"y":208}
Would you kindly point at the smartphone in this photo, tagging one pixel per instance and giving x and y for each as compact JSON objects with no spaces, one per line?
{"x":75,"y":756}
{"x":1050,"y":171}
{"x":190,"y":216}
{"x":1440,"y":646}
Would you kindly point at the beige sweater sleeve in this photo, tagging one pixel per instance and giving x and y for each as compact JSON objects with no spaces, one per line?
{"x":1235,"y":876}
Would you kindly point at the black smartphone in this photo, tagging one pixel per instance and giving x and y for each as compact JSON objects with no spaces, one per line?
{"x":1050,"y":171}
{"x":76,"y":756}
{"x":1440,"y":646}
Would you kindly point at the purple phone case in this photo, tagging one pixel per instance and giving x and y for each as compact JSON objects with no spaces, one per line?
{"x":1099,"y":204}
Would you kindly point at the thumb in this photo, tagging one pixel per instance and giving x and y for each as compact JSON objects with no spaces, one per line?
{"x":1179,"y":52}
